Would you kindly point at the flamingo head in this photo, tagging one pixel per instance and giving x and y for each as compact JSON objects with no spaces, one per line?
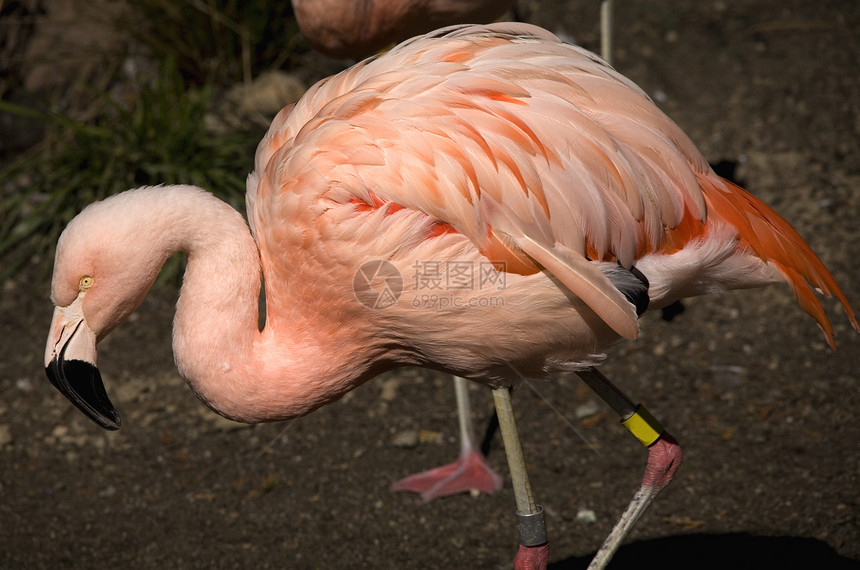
{"x":106,"y":261}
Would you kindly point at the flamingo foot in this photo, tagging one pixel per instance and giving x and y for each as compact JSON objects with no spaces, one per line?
{"x":664,"y":458}
{"x":469,"y":472}
{"x":532,"y":557}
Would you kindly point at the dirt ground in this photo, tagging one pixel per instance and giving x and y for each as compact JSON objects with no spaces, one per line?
{"x":771,"y":473}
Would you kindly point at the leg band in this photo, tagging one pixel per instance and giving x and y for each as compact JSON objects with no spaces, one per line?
{"x":532,"y":528}
{"x":643,"y":426}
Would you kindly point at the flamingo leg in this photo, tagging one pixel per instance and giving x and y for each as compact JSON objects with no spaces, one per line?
{"x":664,"y":458}
{"x":664,"y":452}
{"x":469,"y":472}
{"x":606,"y":30}
{"x":533,"y":553}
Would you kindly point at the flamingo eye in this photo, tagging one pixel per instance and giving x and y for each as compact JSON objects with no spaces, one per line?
{"x":85,"y":283}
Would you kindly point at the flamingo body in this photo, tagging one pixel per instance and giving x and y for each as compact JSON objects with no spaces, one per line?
{"x":493,"y":147}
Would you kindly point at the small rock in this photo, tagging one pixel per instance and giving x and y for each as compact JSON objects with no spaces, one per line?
{"x":257,"y":103}
{"x":406,"y":439}
{"x":223,"y":424}
{"x":727,"y":376}
{"x":586,"y":516}
{"x":389,"y":389}
{"x":586,"y":410}
{"x":129,"y":392}
{"x":5,"y":435}
{"x":429,"y":436}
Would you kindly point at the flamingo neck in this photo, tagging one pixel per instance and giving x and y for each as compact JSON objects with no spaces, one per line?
{"x":286,"y":370}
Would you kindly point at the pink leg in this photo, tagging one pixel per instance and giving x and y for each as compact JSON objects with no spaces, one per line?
{"x":532,"y":557}
{"x":533,"y":553}
{"x":469,"y":472}
{"x":664,"y":458}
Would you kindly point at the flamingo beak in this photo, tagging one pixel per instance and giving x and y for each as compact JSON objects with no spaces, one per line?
{"x":70,"y":362}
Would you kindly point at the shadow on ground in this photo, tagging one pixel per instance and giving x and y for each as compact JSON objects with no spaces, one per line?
{"x":738,"y":551}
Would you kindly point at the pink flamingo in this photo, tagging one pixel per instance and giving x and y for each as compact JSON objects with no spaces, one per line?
{"x":358,"y":28}
{"x":497,"y":148}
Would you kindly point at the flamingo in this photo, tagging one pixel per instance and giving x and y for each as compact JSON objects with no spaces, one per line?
{"x":359,"y":28}
{"x":495,"y":148}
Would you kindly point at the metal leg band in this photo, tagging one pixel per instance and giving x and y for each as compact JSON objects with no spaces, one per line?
{"x":532,"y":528}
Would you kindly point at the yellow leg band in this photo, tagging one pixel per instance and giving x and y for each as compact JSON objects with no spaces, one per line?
{"x":643,"y":426}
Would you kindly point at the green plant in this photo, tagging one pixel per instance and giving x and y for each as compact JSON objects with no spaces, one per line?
{"x":160,"y":139}
{"x":220,"y":41}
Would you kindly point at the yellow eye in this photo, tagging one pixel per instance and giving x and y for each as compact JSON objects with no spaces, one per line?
{"x":85,"y":283}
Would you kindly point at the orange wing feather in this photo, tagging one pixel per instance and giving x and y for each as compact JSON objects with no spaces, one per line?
{"x":770,"y":237}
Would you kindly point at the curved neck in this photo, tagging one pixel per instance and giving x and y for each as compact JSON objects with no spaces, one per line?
{"x":245,"y":374}
{"x":215,"y":327}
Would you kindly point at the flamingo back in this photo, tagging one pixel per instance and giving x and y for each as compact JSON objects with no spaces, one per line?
{"x":537,"y":151}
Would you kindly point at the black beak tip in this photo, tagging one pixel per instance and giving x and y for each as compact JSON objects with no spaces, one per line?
{"x":82,"y":384}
